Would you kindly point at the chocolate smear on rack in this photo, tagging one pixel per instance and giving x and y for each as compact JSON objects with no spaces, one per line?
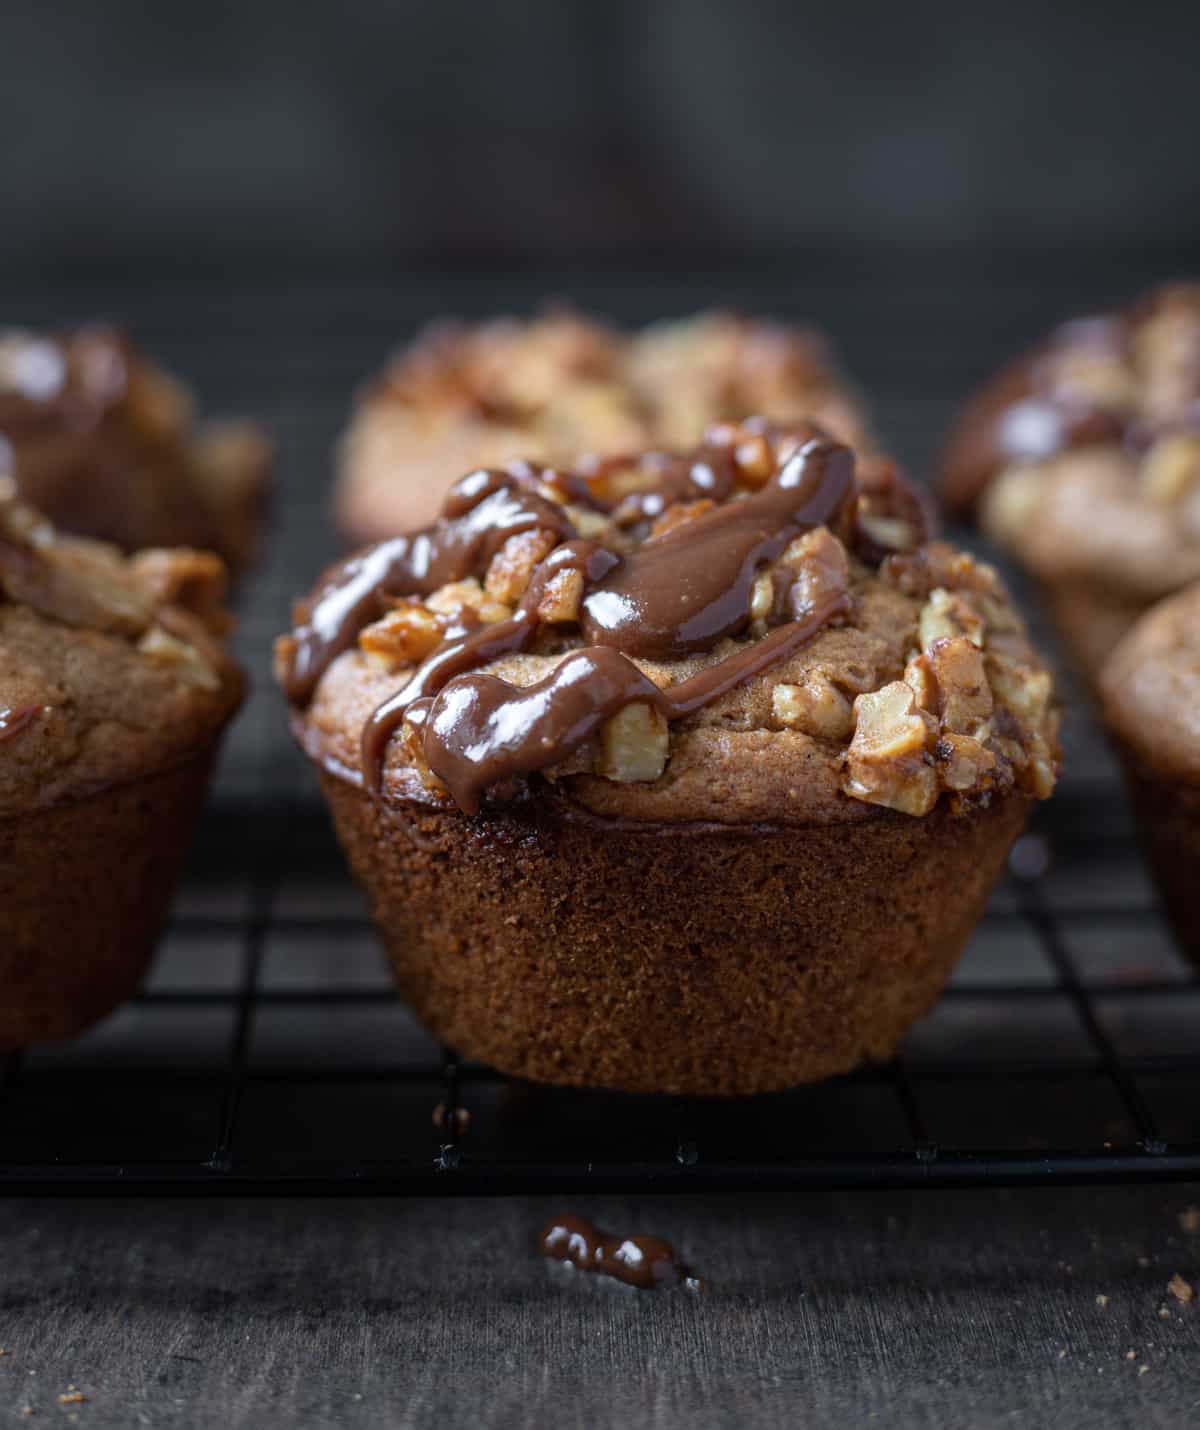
{"x":647,"y":1262}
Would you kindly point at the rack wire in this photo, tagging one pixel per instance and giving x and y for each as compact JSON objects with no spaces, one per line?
{"x":268,"y":1053}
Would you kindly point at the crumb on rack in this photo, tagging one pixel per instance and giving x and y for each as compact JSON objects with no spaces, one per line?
{"x":1102,"y":1301}
{"x":1182,"y":1290}
{"x":1143,"y":1369}
{"x":1189,"y":1219}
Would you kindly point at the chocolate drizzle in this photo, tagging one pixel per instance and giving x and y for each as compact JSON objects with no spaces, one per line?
{"x":14,"y":719}
{"x":677,"y":594}
{"x":646,"y":1262}
{"x":480,"y":513}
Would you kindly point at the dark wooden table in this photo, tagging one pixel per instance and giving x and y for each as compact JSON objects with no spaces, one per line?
{"x":934,"y":1308}
{"x":966,"y":1309}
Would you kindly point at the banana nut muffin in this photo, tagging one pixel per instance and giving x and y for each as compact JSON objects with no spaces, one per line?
{"x":689,"y":775}
{"x":1151,"y":693}
{"x":114,"y":691}
{"x":559,"y":387}
{"x":102,"y":441}
{"x":1083,"y":458}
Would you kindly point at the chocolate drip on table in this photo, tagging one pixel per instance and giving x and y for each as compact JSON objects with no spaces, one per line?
{"x":643,"y":1261}
{"x":675,"y":595}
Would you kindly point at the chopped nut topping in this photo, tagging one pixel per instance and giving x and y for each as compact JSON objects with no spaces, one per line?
{"x":965,"y":762}
{"x":562,"y":598}
{"x":887,"y":761}
{"x":1171,"y":468}
{"x":822,"y":570}
{"x":634,"y":745}
{"x":678,"y":513}
{"x":512,"y":567}
{"x":406,"y":635}
{"x":965,"y":698}
{"x":193,"y":580}
{"x":762,"y":597}
{"x":755,"y":462}
{"x":458,"y":596}
{"x":160,"y":645}
{"x":948,"y":614}
{"x":815,"y":706}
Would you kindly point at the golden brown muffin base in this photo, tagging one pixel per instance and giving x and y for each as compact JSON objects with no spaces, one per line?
{"x":565,"y":948}
{"x":85,"y":885}
{"x":1168,"y":823}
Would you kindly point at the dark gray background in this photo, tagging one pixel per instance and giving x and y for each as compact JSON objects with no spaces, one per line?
{"x":138,"y":132}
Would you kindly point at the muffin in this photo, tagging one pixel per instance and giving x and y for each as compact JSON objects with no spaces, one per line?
{"x":1083,"y":459}
{"x":103,"y":443}
{"x":562,"y":386}
{"x":692,"y":776}
{"x":114,"y":691}
{"x":1151,"y":692}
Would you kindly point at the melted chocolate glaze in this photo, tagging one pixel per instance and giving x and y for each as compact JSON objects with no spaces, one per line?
{"x":480,"y":513}
{"x":14,"y":719}
{"x":680,"y":593}
{"x":643,"y":1261}
{"x":676,"y":594}
{"x":482,"y":731}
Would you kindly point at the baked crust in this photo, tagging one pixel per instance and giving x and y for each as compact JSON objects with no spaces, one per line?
{"x":1083,"y":457}
{"x":692,"y":959}
{"x":554,"y":388}
{"x":104,"y":443}
{"x":114,"y":692}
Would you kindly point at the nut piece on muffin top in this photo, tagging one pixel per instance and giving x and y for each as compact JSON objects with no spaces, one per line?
{"x":1083,"y":456}
{"x":746,"y":633}
{"x":104,"y":443}
{"x":561,"y":384}
{"x":110,"y":667}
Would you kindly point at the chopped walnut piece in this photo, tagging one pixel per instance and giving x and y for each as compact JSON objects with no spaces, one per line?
{"x":920,"y":679}
{"x":405,"y":636}
{"x":822,"y":570}
{"x":82,"y":583}
{"x":1023,"y":689}
{"x":194,"y":580}
{"x":964,"y":762}
{"x":965,"y":698}
{"x":187,"y":662}
{"x":678,"y":513}
{"x":948,"y":614}
{"x":634,"y":745}
{"x":762,"y":597}
{"x":815,"y":706}
{"x":887,"y":761}
{"x":512,"y":567}
{"x":1171,"y":468}
{"x":562,"y":598}
{"x":754,"y":460}
{"x":469,"y":595}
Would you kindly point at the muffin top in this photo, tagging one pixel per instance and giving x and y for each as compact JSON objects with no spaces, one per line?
{"x":561,"y":385}
{"x":1084,"y":456}
{"x":745,"y":633}
{"x":1151,"y":687}
{"x":110,"y":667}
{"x":103,"y":442}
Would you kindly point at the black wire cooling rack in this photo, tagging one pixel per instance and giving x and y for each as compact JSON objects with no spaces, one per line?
{"x":268,"y":1053}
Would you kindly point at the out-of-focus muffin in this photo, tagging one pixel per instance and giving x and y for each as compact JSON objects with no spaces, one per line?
{"x":687,"y":774}
{"x":1083,"y":459}
{"x":561,"y":387}
{"x":1151,"y":693}
{"x":103,"y":442}
{"x":115,"y":689}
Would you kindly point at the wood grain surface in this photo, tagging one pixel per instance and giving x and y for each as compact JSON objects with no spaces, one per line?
{"x":971,"y":1309}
